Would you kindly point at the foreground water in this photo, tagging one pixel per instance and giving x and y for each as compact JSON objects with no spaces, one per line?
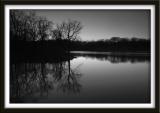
{"x":87,"y":78}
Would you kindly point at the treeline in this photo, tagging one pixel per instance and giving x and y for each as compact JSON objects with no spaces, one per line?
{"x":34,"y":35}
{"x":115,"y":44}
{"x":25,"y":25}
{"x":62,"y":45}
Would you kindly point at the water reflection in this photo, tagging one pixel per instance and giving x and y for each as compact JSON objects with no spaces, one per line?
{"x":32,"y":78}
{"x":124,"y":79}
{"x":114,"y":57}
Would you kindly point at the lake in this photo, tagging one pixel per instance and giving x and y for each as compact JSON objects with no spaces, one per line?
{"x":88,"y":77}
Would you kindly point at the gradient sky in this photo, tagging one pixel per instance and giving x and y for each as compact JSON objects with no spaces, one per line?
{"x":104,"y":24}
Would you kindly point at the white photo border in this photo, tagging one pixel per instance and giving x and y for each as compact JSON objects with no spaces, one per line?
{"x":78,"y":105}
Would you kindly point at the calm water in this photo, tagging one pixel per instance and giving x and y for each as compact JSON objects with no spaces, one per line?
{"x":89,"y":77}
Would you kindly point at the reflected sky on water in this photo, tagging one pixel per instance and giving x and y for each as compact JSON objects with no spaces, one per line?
{"x":87,"y":78}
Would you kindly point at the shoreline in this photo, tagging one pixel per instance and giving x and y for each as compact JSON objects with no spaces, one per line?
{"x":110,"y":53}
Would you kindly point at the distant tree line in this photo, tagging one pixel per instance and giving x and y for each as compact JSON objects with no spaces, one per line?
{"x":114,"y":44}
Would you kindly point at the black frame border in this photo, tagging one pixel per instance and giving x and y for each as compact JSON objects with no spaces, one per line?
{"x":79,"y":2}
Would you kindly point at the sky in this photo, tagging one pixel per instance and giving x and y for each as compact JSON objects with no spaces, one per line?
{"x":104,"y":24}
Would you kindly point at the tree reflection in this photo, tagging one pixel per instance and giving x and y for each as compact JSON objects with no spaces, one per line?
{"x":116,"y":58}
{"x":69,"y":83}
{"x":39,"y":78}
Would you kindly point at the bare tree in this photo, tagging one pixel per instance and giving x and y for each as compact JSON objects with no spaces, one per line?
{"x":70,"y":29}
{"x":56,"y":34}
{"x":27,"y":26}
{"x":44,"y":26}
{"x":17,"y":24}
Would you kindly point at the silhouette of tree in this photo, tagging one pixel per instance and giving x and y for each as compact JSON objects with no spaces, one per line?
{"x":44,"y":27}
{"x":56,"y":34}
{"x":18,"y":23}
{"x":70,"y":30}
{"x":115,"y":39}
{"x":27,"y":26}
